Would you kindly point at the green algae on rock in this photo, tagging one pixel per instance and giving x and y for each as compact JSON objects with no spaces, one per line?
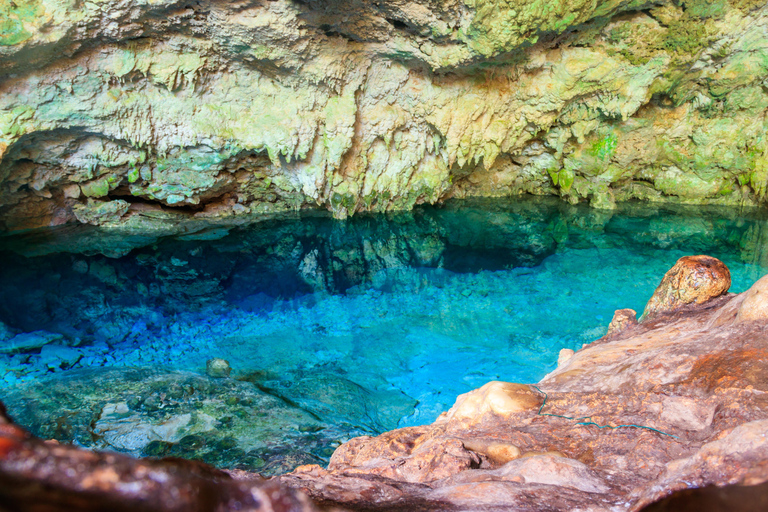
{"x":224,"y":422}
{"x":220,"y":109}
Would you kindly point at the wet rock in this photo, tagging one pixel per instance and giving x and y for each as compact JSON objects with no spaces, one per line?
{"x":340,"y":401}
{"x":28,"y":341}
{"x":59,"y":356}
{"x":217,"y":368}
{"x":149,"y":412}
{"x":693,"y":280}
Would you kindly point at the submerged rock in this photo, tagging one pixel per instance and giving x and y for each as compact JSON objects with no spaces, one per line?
{"x":218,"y":368}
{"x":224,"y":422}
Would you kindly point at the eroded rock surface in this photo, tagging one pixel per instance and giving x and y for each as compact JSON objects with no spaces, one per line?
{"x":679,"y":400}
{"x":38,"y":475}
{"x":693,"y":280}
{"x":141,"y":112}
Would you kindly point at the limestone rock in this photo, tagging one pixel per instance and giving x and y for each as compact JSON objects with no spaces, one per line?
{"x":373,"y":106}
{"x":692,"y":280}
{"x":755,"y":305}
{"x":622,"y":319}
{"x":543,"y":469}
{"x":59,"y":356}
{"x":496,"y":452}
{"x":672,"y":403}
{"x":564,"y":355}
{"x":498,"y":398}
{"x":404,"y":454}
{"x":217,"y":368}
{"x":28,"y":341}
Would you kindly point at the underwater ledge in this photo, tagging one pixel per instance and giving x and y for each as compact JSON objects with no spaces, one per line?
{"x":676,"y":400}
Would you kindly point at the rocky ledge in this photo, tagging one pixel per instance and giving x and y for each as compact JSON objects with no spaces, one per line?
{"x":675,"y":401}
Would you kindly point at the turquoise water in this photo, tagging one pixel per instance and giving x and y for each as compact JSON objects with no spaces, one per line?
{"x":354,"y":326}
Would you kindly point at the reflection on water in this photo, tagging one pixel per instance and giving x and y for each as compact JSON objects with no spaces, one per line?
{"x":332,"y":328}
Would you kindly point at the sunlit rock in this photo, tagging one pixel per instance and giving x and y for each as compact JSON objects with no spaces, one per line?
{"x":498,"y":398}
{"x":755,"y":305}
{"x":693,"y":280}
{"x":622,"y":319}
{"x":564,"y":355}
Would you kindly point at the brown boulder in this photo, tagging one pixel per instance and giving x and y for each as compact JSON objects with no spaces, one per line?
{"x":693,"y":280}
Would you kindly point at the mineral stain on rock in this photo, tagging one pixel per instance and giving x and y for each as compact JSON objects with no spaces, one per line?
{"x":693,"y":280}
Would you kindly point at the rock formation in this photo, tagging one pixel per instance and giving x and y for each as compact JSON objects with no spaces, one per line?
{"x":140,"y":112}
{"x":674,"y":402}
{"x":36,"y":475}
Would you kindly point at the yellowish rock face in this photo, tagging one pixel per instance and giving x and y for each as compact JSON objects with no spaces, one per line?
{"x":498,"y":398}
{"x":253,"y":107}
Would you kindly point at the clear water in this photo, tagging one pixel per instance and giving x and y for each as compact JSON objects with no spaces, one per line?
{"x":360,"y":326}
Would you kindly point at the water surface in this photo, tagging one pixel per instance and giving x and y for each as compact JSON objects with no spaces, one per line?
{"x":332,"y":328}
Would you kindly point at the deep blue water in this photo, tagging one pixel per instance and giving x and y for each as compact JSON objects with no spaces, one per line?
{"x":406,"y":310}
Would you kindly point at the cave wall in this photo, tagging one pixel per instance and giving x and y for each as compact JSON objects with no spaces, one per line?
{"x":115,"y":112}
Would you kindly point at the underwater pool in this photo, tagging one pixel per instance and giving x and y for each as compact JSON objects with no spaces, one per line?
{"x":332,"y":328}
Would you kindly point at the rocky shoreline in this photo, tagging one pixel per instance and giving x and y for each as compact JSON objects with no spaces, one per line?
{"x":676,"y":401}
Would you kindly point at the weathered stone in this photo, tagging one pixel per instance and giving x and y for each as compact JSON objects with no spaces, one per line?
{"x":217,"y":368}
{"x":498,"y":398}
{"x":498,"y":453}
{"x":693,"y":280}
{"x":622,"y":319}
{"x":369,"y":106}
{"x":676,"y":402}
{"x":564,"y":355}
{"x":755,"y":305}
